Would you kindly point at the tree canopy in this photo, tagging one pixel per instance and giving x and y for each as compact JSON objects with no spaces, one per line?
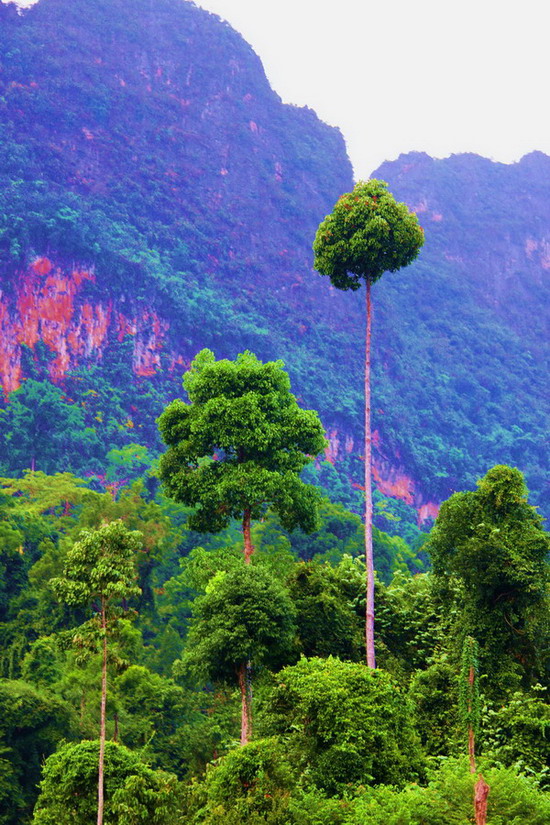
{"x":245,"y":615}
{"x":367,"y":233}
{"x":492,"y":541}
{"x":240,"y":444}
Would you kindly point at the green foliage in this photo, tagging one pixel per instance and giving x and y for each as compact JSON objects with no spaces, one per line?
{"x":244,"y":615}
{"x":41,"y":430}
{"x":339,"y":533}
{"x":447,"y":800}
{"x":433,"y":693}
{"x":11,"y":798}
{"x":349,"y":724}
{"x":39,"y":494}
{"x":492,"y":541}
{"x":240,"y":444}
{"x":517,"y":734}
{"x":127,"y":463}
{"x":468,"y":691}
{"x":412,"y":623}
{"x":134,"y":793}
{"x":159,"y":536}
{"x":251,"y":784}
{"x":313,"y":807}
{"x":32,"y":724}
{"x":101,"y":565}
{"x":42,"y":663}
{"x":367,"y":233}
{"x":326,"y":599}
{"x":331,"y":732}
{"x":154,"y":716}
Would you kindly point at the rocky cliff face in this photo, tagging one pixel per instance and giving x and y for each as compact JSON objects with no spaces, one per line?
{"x":156,"y":197}
{"x":49,"y":304}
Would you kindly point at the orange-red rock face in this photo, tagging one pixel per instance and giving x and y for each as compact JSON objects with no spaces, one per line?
{"x":49,"y":305}
{"x":388,"y":476}
{"x":392,"y":482}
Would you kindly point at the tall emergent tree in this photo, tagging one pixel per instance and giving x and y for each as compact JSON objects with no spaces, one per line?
{"x":367,"y":233}
{"x":100,"y":569}
{"x":238,"y":448}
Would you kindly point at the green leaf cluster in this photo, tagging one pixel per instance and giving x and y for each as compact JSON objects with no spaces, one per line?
{"x":134,"y":793}
{"x":244,"y":615}
{"x":240,"y":444}
{"x":329,"y":712}
{"x":367,"y":233}
{"x":100,"y":565}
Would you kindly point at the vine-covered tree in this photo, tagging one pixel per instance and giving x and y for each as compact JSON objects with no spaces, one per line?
{"x":347,"y":723}
{"x":367,"y":233}
{"x":101,"y":568}
{"x":492,"y":541}
{"x":470,"y":712}
{"x":240,"y":445}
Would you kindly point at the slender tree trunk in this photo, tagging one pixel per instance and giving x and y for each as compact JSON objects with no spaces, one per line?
{"x":481,"y":788}
{"x":471,"y":736}
{"x":481,"y":792}
{"x":103,"y":716}
{"x":248,"y":546}
{"x":244,"y":683}
{"x":369,"y":564}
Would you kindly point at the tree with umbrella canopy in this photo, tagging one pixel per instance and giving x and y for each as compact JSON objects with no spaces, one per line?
{"x":367,"y":233}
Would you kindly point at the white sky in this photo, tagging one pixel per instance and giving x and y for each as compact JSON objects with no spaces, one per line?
{"x":439,"y":76}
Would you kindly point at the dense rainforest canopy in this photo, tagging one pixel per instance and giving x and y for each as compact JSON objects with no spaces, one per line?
{"x":119,"y":583}
{"x":197,"y":609}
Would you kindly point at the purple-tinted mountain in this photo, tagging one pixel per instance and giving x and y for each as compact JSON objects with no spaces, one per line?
{"x":157,"y":197}
{"x":464,"y":354}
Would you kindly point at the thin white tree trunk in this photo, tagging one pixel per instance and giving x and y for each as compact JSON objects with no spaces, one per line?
{"x":245,"y":674}
{"x":369,"y":564}
{"x":246,"y":710}
{"x":103,"y":717}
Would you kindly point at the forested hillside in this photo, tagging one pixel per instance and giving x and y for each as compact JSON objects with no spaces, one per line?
{"x":467,"y":349}
{"x":157,"y":197}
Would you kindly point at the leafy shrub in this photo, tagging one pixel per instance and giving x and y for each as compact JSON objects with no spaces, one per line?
{"x":134,"y":793}
{"x":346,"y":723}
{"x":448,"y":800}
{"x":251,"y":784}
{"x":518,"y":734}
